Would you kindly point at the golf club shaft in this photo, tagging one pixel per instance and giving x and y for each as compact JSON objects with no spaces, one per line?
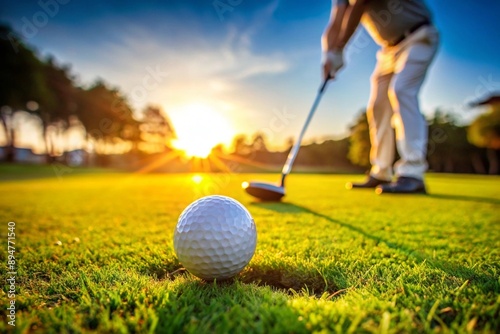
{"x":295,"y":149}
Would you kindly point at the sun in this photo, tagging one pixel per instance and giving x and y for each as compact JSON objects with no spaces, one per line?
{"x":199,"y":128}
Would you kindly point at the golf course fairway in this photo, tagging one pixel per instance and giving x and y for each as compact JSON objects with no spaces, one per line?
{"x":94,"y":253}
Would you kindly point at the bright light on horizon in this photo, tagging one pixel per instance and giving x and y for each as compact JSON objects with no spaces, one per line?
{"x":200,"y":128}
{"x":197,"y":178}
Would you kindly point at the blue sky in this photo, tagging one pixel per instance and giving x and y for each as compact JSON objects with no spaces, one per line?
{"x":255,"y":63}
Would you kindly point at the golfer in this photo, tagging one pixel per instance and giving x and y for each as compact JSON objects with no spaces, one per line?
{"x":408,"y":41}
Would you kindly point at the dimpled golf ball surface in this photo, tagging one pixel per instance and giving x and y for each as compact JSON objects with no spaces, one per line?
{"x":215,"y":237}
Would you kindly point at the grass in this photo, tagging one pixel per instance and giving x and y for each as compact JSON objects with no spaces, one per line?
{"x":94,"y":252}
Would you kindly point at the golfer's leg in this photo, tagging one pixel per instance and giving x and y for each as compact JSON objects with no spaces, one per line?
{"x":379,"y":113}
{"x":410,"y":124}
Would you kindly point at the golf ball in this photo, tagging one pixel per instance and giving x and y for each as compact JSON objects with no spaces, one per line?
{"x":215,"y":237}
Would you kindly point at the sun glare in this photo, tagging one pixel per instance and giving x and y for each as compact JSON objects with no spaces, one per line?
{"x":197,"y":178}
{"x":199,"y":128}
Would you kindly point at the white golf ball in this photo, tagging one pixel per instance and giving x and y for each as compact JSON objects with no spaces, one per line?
{"x":215,"y":237}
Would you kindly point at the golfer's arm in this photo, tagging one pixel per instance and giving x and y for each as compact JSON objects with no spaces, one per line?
{"x":330,"y":37}
{"x":350,"y":22}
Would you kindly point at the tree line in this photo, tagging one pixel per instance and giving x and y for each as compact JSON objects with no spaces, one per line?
{"x":452,"y":147}
{"x":49,"y":91}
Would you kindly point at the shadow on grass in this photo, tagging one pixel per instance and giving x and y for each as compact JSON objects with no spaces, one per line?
{"x":196,"y":306}
{"x":164,"y":270}
{"x":485,"y":282}
{"x":465,"y":198}
{"x":287,"y":280}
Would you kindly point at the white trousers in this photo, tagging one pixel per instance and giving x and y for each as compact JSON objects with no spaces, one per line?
{"x":395,"y":85}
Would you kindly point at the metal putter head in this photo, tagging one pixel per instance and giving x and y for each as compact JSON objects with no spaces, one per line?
{"x":264,"y":191}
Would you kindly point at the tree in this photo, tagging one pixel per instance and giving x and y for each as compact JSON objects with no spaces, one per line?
{"x":107,"y":117}
{"x":156,"y":130}
{"x":259,"y":143}
{"x":21,"y":81}
{"x":484,"y":131}
{"x":57,"y":111}
{"x":258,"y":149}
{"x":240,"y":146}
{"x":448,"y":149}
{"x":359,"y":148}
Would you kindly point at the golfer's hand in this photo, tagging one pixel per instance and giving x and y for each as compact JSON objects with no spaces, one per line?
{"x":332,"y":62}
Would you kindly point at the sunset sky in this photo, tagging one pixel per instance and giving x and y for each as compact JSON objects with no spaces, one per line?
{"x":256,"y":64}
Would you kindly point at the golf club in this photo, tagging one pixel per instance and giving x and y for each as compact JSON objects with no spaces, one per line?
{"x":274,"y":192}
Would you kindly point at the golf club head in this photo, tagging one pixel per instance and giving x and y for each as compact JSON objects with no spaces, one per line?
{"x":264,"y":191}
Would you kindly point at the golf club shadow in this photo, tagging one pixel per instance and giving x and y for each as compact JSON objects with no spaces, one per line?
{"x":281,"y":207}
{"x":487,"y":283}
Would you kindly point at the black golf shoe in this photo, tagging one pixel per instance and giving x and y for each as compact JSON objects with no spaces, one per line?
{"x":371,"y":182}
{"x":403,"y":185}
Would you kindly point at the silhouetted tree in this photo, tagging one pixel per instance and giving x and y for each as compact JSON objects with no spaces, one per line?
{"x":21,"y":81}
{"x":484,"y":131}
{"x":218,"y":150}
{"x":156,"y":130}
{"x":56,"y":112}
{"x":359,"y":149}
{"x":240,"y":146}
{"x":259,"y":151}
{"x":330,"y":154}
{"x":106,"y":116}
{"x":448,"y":148}
{"x":259,"y":143}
